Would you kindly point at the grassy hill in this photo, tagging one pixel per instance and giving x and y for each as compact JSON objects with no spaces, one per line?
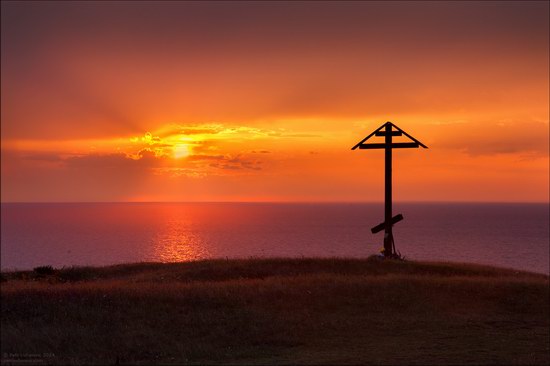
{"x":276,"y":311}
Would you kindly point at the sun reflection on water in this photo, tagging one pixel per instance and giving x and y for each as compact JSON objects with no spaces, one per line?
{"x":178,"y":242}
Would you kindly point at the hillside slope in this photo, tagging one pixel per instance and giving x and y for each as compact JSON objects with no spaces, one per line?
{"x":277,"y":311}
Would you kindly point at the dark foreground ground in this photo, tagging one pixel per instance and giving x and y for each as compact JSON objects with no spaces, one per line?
{"x":276,"y":311}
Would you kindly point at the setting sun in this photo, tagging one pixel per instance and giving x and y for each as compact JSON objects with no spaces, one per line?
{"x":181,"y":151}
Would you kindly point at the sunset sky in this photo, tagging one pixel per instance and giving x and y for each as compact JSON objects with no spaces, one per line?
{"x":262,"y":101}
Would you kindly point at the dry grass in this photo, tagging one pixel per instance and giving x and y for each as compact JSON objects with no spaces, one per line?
{"x":277,"y":311}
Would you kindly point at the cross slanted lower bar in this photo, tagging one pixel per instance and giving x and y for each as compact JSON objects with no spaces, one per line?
{"x":388,"y":130}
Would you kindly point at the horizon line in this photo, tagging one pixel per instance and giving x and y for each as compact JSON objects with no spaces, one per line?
{"x":274,"y":202}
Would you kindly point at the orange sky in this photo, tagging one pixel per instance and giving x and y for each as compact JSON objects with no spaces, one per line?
{"x":207,"y":101}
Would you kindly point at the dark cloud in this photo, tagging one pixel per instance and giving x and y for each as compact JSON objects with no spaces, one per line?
{"x":146,"y":154}
{"x":51,"y":157}
{"x":145,"y":159}
{"x":202,"y":157}
{"x":241,"y":162}
{"x":227,"y":161}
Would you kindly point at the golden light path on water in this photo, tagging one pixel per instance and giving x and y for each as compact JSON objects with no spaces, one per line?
{"x":177,"y":242}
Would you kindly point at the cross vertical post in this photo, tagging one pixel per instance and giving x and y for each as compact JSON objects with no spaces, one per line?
{"x":388,"y":235}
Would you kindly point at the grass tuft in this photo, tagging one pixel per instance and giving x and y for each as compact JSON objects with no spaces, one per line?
{"x":44,"y":270}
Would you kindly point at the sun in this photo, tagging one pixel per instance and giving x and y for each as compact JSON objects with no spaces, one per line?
{"x":181,"y":151}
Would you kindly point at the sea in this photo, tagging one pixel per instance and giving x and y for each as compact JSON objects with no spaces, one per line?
{"x":512,"y":235}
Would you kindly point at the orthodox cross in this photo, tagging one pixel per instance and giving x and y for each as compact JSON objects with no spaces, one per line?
{"x":388,"y":130}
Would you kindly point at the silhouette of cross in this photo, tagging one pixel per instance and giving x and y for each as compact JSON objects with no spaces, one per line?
{"x":388,"y":130}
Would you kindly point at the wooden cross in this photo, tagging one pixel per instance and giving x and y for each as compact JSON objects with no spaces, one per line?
{"x":388,"y":130}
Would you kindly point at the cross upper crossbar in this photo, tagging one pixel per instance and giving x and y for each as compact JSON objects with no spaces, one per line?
{"x":393,"y":133}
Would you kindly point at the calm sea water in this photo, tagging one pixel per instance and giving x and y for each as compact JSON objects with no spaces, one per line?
{"x":506,"y":235}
